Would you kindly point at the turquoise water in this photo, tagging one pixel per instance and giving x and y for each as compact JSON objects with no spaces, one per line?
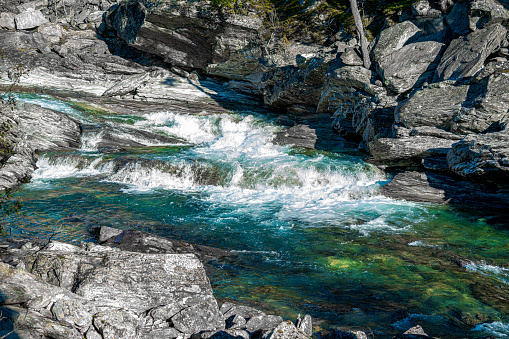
{"x":308,"y":230}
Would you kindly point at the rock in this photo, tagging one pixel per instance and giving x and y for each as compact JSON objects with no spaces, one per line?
{"x":7,"y":20}
{"x":352,"y":57}
{"x":287,"y":330}
{"x":483,"y":11}
{"x":119,"y":323}
{"x":346,"y":333}
{"x":420,"y":8}
{"x":306,"y":325}
{"x":410,"y":151}
{"x":466,"y":55}
{"x":457,"y":19}
{"x":225,"y":334}
{"x":192,"y":35}
{"x":413,"y":186}
{"x":416,"y":330}
{"x":263,"y":323}
{"x":410,"y":66}
{"x":297,"y":136}
{"x":29,"y":19}
{"x":143,"y":242}
{"x":201,"y":317}
{"x":488,"y":108}
{"x":236,"y":322}
{"x":482,"y":157}
{"x":393,"y":38}
{"x":430,"y":25}
{"x":128,"y":85}
{"x":51,"y":32}
{"x":435,"y":105}
{"x":245,"y":312}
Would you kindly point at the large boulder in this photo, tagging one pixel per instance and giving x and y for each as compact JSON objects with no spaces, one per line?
{"x":29,"y":19}
{"x":466,"y":55}
{"x":482,"y":157}
{"x":189,"y":35}
{"x":394,"y":38}
{"x":457,"y":19}
{"x":410,"y":66}
{"x":7,"y":20}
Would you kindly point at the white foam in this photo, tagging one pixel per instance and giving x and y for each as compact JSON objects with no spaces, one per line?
{"x":63,"y":167}
{"x":497,"y":329}
{"x":419,"y":243}
{"x":501,"y":273}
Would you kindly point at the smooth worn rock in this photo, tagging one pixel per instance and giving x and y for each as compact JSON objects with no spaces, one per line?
{"x":466,"y":55}
{"x":394,"y":38}
{"x":410,"y":66}
{"x":29,"y":19}
{"x":483,"y":157}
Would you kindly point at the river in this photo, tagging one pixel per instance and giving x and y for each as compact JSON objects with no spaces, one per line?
{"x":308,"y":229}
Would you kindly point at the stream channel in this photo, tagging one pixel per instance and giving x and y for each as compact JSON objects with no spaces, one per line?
{"x":308,"y":230}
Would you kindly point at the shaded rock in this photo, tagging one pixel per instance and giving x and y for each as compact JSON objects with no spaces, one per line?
{"x":430,"y":25}
{"x":410,"y":66}
{"x":420,"y":8}
{"x":488,"y":109}
{"x":393,"y":38}
{"x":465,"y":56}
{"x":263,"y":323}
{"x":483,"y":11}
{"x":167,"y":333}
{"x":483,"y":157}
{"x":128,"y":85}
{"x":297,"y":136}
{"x":287,"y":330}
{"x":7,"y":20}
{"x":346,"y":333}
{"x":29,"y":19}
{"x":143,"y":242}
{"x":457,"y":19}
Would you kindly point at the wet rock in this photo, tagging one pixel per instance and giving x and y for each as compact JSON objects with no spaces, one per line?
{"x":482,"y":157}
{"x":297,"y":136}
{"x":143,"y":242}
{"x":29,"y":19}
{"x":7,"y":20}
{"x":410,"y":66}
{"x":466,"y":55}
{"x":394,"y":38}
{"x":457,"y":19}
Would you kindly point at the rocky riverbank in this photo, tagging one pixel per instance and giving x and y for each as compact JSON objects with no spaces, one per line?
{"x":130,"y":285}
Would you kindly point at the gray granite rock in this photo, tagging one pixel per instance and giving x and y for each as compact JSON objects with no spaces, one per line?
{"x":287,"y":330}
{"x":297,"y":136}
{"x":410,"y":66}
{"x":263,"y":323}
{"x":393,"y":38}
{"x":128,"y":85}
{"x":29,"y":19}
{"x":466,"y":55}
{"x":352,"y":57}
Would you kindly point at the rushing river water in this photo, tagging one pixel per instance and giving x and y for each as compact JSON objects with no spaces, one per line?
{"x":308,"y":229}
